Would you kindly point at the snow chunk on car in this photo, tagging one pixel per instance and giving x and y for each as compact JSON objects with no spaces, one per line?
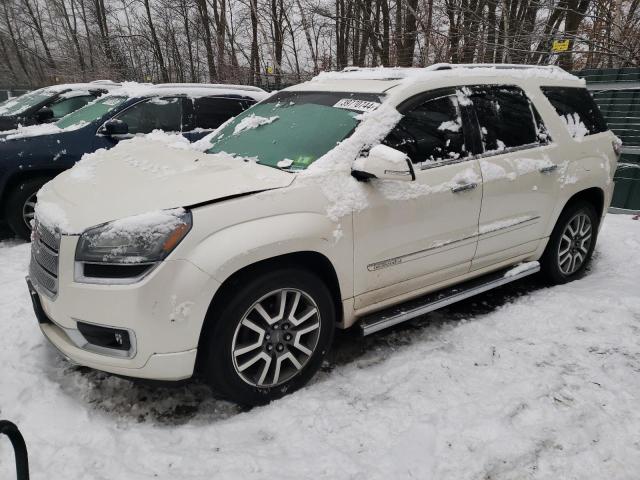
{"x":253,"y":121}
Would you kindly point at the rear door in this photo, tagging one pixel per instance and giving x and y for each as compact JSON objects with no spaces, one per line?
{"x":208,"y":113}
{"x":519,"y":177}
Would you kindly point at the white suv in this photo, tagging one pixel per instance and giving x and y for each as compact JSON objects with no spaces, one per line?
{"x":366,"y":197}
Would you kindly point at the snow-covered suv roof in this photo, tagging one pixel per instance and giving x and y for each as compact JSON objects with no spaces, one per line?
{"x":382,"y":79}
{"x":192,"y":90}
{"x":95,"y":85}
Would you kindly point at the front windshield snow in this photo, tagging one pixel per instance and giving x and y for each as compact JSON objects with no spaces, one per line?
{"x":293,"y":129}
{"x":91,"y":112}
{"x":15,"y":106}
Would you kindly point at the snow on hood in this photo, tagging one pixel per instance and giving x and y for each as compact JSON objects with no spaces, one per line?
{"x":38,"y":130}
{"x":146,"y":174}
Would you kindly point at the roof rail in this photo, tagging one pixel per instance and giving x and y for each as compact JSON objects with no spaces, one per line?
{"x":499,"y":66}
{"x":248,"y":88}
{"x":105,"y":82}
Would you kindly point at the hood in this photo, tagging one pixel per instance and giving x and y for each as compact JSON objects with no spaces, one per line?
{"x":143,"y":175}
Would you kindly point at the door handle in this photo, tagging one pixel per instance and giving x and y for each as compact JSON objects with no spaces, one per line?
{"x":549,"y":168}
{"x":463,"y":187}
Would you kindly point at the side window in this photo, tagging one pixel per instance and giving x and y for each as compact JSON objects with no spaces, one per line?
{"x":431,"y":132}
{"x":505,"y":117}
{"x":65,"y":106}
{"x":211,"y":112}
{"x":578,"y":110}
{"x":154,"y":114}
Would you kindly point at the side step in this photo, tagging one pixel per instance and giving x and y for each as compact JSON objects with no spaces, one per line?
{"x":433,"y":301}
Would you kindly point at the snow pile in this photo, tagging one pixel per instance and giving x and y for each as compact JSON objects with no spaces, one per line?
{"x":492,"y":171}
{"x":75,"y":93}
{"x":38,"y":130}
{"x":524,"y":382}
{"x":190,"y":90}
{"x":450,"y":126}
{"x":576,"y":128}
{"x":286,"y":163}
{"x":518,"y":269}
{"x":430,"y":73}
{"x":51,"y":215}
{"x":253,"y":121}
{"x":84,"y":169}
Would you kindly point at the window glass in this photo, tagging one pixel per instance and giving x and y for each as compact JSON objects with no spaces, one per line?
{"x":505,"y":117}
{"x":65,"y":106}
{"x":154,"y":114}
{"x":578,"y":110}
{"x":91,"y":112}
{"x":210,"y":112}
{"x":296,"y":128}
{"x":431,"y":132}
{"x":17,"y":105}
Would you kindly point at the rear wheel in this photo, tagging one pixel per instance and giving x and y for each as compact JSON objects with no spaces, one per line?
{"x":268,"y":338}
{"x":20,"y":207}
{"x":571,"y":243}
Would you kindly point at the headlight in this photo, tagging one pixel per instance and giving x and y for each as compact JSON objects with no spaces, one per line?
{"x":137,"y":242}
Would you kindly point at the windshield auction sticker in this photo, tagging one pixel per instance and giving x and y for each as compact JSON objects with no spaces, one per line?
{"x":357,"y":105}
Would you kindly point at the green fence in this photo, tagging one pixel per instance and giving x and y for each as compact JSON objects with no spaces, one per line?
{"x":617,"y":92}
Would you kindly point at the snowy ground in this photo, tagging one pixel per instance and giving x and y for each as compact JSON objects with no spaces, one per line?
{"x":524,"y":382}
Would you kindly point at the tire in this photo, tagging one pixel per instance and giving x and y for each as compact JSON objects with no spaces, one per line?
{"x":571,"y":243}
{"x":20,"y":198}
{"x":250,"y":368}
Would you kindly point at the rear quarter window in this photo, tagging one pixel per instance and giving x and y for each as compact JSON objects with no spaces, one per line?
{"x":211,"y":112}
{"x":577,"y":109}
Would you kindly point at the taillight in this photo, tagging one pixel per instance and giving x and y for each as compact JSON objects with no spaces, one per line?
{"x":617,"y":146}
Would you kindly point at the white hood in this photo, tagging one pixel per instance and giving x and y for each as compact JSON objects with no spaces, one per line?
{"x":143,"y":175}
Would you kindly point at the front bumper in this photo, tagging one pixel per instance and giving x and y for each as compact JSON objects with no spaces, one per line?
{"x":163,"y":312}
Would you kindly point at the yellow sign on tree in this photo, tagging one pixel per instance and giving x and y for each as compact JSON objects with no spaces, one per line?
{"x":269,"y":69}
{"x":560,"y":46}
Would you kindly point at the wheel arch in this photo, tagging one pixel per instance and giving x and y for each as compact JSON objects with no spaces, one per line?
{"x":312,"y":261}
{"x":16,"y":177}
{"x":594,"y":195}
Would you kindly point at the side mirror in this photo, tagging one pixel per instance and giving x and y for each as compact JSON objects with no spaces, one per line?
{"x":384,"y":163}
{"x":44,"y":114}
{"x":114,"y":127}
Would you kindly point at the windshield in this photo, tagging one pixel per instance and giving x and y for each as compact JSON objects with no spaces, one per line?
{"x":14,"y":106}
{"x":293,"y":129}
{"x":91,"y":112}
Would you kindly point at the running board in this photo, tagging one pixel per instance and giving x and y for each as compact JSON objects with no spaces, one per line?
{"x":414,"y":308}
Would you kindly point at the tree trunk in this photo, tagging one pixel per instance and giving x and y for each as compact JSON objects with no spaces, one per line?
{"x":204,"y":19}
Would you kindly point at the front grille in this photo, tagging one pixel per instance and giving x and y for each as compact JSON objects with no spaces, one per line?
{"x":43,"y":269}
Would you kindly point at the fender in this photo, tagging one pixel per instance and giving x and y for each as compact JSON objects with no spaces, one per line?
{"x":580,"y":175}
{"x":231,"y":249}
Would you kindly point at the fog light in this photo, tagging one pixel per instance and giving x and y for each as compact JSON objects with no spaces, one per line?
{"x":105,"y":337}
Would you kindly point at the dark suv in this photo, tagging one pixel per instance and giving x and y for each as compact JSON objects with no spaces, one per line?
{"x":50,"y":104}
{"x":31,"y":156}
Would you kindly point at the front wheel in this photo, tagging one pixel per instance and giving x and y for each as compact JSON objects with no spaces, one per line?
{"x":21,"y":203}
{"x":571,"y":243}
{"x":270,"y":337}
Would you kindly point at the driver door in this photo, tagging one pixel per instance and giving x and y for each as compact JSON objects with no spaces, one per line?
{"x":417,"y":234}
{"x":157,"y":113}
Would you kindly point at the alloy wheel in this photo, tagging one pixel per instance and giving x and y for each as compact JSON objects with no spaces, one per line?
{"x":575,"y":243}
{"x":28,"y":210}
{"x":276,"y":338}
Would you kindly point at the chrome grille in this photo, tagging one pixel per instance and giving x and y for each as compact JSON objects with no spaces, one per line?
{"x":43,"y":269}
